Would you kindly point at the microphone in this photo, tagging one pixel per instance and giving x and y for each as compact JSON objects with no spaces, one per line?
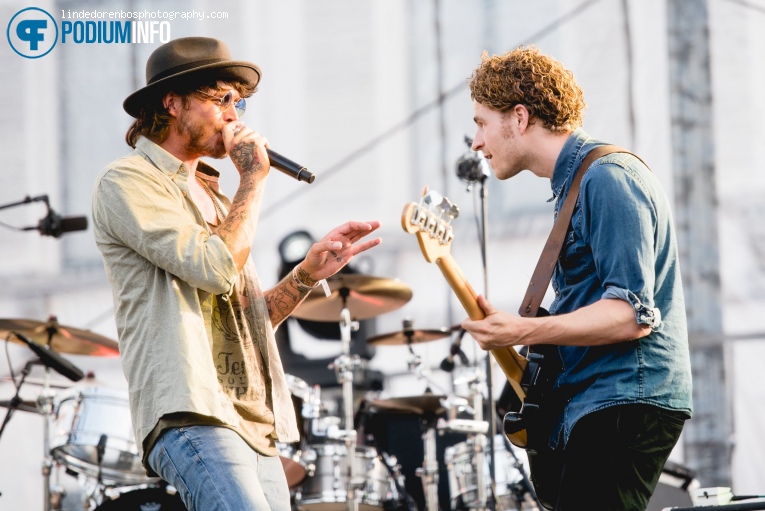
{"x":472,"y":166}
{"x":289,"y":167}
{"x":55,"y":225}
{"x":447,"y":364}
{"x":50,"y":358}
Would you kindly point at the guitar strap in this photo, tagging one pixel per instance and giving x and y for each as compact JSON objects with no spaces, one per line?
{"x":544,"y":270}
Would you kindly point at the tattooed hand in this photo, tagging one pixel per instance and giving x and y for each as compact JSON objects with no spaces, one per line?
{"x":246,"y":148}
{"x":327,"y":256}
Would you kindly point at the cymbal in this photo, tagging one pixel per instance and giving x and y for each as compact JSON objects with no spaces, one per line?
{"x":408,"y":337}
{"x":65,"y":339}
{"x":364,"y":295}
{"x":419,"y":405}
{"x":24,"y":406}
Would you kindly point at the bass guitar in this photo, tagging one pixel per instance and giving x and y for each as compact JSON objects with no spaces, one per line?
{"x":430,"y":221}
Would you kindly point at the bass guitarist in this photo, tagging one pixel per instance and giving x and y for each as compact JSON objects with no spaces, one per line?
{"x":617,"y":322}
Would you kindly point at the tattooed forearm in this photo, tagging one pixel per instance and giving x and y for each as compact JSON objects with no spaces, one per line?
{"x":304,"y":277}
{"x":238,"y":228}
{"x":237,"y":217}
{"x":243,"y":156}
{"x":283,"y":299}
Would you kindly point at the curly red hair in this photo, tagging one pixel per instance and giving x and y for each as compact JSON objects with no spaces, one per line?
{"x":526,"y":76}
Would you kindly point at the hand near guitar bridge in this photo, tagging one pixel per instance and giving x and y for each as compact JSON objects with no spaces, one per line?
{"x":498,"y":329}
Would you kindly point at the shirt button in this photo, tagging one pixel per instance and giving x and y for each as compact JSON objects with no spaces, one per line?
{"x":183,"y":192}
{"x":182,"y":170}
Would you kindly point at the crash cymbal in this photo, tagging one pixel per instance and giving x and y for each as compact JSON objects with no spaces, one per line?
{"x":364,"y":295}
{"x":23,"y":406}
{"x":419,"y":405}
{"x":408,"y":337}
{"x":64,"y":339}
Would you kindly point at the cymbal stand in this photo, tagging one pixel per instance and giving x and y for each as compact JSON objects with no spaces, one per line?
{"x":344,"y":366}
{"x":479,"y":445}
{"x":45,"y":406}
{"x":414,"y":362}
{"x":16,"y":400}
{"x":429,"y":471}
{"x":476,"y":429}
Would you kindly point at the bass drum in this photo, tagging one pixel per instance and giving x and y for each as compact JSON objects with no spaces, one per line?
{"x":147,"y":499}
{"x":326,"y":488}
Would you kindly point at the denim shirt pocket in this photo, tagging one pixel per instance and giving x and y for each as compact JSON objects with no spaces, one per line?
{"x":575,"y":262}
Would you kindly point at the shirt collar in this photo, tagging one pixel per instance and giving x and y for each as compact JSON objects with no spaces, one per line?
{"x":164,"y":161}
{"x":169,"y":164}
{"x":568,"y":161}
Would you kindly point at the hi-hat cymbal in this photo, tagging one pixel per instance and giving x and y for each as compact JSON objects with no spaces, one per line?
{"x":63,"y":339}
{"x":408,"y":337}
{"x":364,"y":296}
{"x":419,"y":405}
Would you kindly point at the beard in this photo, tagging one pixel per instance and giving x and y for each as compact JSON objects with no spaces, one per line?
{"x":200,"y":137}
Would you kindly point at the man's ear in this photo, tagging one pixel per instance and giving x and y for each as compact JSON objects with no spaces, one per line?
{"x":522,"y":117}
{"x":172,"y":102}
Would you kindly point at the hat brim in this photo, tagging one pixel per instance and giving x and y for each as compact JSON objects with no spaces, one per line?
{"x":245,"y":72}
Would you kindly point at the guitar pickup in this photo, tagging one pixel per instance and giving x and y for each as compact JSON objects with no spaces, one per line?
{"x":531,"y":375}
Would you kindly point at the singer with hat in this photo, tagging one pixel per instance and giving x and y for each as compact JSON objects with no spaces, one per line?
{"x":208,"y":394}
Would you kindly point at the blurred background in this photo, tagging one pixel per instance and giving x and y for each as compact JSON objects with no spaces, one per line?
{"x":372,"y":96}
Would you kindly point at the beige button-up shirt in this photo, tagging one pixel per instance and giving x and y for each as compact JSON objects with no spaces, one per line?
{"x":167,"y":270}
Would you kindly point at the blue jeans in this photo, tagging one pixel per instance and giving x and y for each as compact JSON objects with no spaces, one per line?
{"x":214,"y":469}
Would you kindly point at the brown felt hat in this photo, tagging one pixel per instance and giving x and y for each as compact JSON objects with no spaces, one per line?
{"x":185,"y":57}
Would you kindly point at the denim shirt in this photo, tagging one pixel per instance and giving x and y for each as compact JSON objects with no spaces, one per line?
{"x":621,"y":244}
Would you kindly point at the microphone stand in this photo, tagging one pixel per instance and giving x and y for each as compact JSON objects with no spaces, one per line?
{"x":492,"y":419}
{"x":474,"y":170}
{"x":16,"y":400}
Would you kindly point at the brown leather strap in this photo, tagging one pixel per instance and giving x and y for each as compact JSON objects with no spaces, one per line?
{"x":544,"y":270}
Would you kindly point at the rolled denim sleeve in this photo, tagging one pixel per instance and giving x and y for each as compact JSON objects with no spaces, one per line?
{"x":618,"y":222}
{"x":147,"y":215}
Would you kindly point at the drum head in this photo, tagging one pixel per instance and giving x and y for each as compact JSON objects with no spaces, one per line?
{"x":149,"y":499}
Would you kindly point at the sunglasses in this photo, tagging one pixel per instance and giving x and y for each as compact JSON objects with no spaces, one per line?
{"x":225,"y":101}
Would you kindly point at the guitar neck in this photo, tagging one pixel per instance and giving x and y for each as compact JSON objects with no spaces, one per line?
{"x":511,"y":363}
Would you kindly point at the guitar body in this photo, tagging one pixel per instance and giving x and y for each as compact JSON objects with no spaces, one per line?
{"x":545,"y":464}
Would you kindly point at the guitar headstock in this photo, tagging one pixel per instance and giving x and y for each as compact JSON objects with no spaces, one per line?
{"x":431,"y":221}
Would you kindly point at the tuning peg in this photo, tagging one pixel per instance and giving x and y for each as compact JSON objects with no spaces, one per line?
{"x":432,"y":198}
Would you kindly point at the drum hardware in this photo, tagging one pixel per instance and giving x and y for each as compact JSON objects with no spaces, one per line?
{"x":44,"y":401}
{"x":457,"y":406}
{"x":344,"y":366}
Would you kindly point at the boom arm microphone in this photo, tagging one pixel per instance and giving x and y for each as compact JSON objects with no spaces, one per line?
{"x":289,"y":167}
{"x":55,"y":225}
{"x":51,"y":359}
{"x":455,"y":350}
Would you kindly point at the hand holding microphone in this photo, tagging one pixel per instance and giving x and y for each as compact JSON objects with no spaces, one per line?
{"x":279,"y":162}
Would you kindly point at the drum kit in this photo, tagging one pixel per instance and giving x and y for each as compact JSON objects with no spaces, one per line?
{"x":86,"y":427}
{"x":88,"y":431}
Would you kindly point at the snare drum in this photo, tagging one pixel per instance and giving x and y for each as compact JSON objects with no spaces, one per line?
{"x":463,"y":479}
{"x":85,"y":417}
{"x":326,"y":489}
